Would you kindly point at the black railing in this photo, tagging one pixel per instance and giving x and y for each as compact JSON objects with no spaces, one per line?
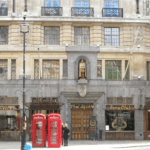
{"x":112,"y":12}
{"x":51,"y":11}
{"x":82,"y":11}
{"x":3,"y":11}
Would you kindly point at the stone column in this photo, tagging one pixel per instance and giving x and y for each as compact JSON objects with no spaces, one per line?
{"x":66,"y":33}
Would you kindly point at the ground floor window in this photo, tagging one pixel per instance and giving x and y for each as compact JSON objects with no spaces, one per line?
{"x":119,"y":120}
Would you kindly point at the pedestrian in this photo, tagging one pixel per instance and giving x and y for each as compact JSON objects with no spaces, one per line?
{"x":62,"y":133}
{"x":66,"y":135}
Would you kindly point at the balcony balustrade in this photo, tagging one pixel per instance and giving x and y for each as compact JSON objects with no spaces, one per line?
{"x":82,"y":11}
{"x":112,"y":12}
{"x":51,"y":11}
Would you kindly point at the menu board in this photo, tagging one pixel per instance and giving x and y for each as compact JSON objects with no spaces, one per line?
{"x":38,"y":132}
{"x":54,"y":132}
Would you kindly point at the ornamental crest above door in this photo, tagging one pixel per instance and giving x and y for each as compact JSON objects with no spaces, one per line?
{"x":82,"y":90}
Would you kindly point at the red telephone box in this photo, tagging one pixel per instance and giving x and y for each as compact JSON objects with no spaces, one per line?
{"x":54,"y":130}
{"x":38,"y":130}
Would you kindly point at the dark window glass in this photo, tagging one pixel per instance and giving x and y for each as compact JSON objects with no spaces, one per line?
{"x":3,"y":69}
{"x":122,"y":120}
{"x":127,"y":76}
{"x":113,"y":70}
{"x":99,"y":68}
{"x":52,"y":36}
{"x":36,"y":69}
{"x":112,"y":36}
{"x":65,"y":68}
{"x":148,"y":71}
{"x":81,"y":35}
{"x":13,"y":69}
{"x":3,"y":35}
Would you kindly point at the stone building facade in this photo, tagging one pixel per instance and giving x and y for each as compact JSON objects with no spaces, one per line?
{"x":110,"y":38}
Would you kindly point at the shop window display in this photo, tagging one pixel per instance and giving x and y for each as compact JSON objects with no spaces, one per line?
{"x":122,"y":120}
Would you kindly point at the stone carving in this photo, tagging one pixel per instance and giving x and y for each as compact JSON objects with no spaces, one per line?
{"x":82,"y":91}
{"x":138,"y":35}
{"x":82,"y":70}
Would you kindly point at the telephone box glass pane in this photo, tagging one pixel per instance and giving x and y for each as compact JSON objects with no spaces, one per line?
{"x":38,"y":127}
{"x":54,"y":132}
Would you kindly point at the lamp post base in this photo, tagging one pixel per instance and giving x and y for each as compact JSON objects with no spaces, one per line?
{"x":23,"y":139}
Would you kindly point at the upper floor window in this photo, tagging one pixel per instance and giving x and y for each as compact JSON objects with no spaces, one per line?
{"x":50,"y":69}
{"x":52,"y":36}
{"x":81,"y":3}
{"x":111,"y":9}
{"x":82,"y":8}
{"x":148,"y":70}
{"x":51,"y":3}
{"x":112,"y":36}
{"x":146,"y":5}
{"x":99,"y":68}
{"x":81,"y":36}
{"x":113,"y":70}
{"x":3,"y":69}
{"x":3,"y":8}
{"x":65,"y":68}
{"x":127,"y":73}
{"x":3,"y":35}
{"x":13,"y":69}
{"x":111,"y":4}
{"x":36,"y":69}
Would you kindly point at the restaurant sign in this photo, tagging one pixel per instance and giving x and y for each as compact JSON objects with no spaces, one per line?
{"x":82,"y":106}
{"x":119,"y":107}
{"x":7,"y":108}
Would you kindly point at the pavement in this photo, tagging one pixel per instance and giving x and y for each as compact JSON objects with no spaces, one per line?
{"x":88,"y":144}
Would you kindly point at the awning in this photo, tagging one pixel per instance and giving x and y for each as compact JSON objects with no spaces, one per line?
{"x":8,"y":112}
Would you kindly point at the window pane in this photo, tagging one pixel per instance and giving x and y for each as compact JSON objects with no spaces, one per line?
{"x":107,"y":31}
{"x":127,"y":71}
{"x":47,"y":3}
{"x":99,"y":68}
{"x":65,"y":68}
{"x":3,"y":69}
{"x":122,"y":120}
{"x":36,"y":69}
{"x":52,"y":36}
{"x":113,"y":70}
{"x":115,"y":31}
{"x":13,"y":69}
{"x":50,"y":69}
{"x":3,"y":35}
{"x":81,"y":36}
{"x":107,"y":40}
{"x":113,"y":38}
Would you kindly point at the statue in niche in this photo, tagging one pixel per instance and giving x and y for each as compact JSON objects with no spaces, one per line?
{"x":82,"y":70}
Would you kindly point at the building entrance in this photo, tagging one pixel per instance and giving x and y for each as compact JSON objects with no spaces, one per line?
{"x":80,"y":124}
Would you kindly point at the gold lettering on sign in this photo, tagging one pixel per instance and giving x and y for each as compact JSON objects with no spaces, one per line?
{"x":123,"y":107}
{"x":6,"y":108}
{"x":82,"y":106}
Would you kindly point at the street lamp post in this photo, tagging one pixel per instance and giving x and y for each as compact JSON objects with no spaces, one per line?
{"x":24,"y":28}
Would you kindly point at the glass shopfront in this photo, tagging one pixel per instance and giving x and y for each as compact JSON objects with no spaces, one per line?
{"x":119,"y":122}
{"x":122,"y":120}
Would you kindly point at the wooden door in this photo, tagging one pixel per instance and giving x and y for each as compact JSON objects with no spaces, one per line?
{"x":80,"y":124}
